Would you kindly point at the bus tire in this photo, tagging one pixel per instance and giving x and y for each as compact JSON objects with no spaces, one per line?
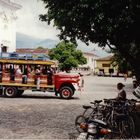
{"x":66,"y":92}
{"x":1,"y":91}
{"x":10,"y":92}
{"x":20,"y":92}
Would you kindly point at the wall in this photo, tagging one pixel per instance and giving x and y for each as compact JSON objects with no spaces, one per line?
{"x":105,"y":65}
{"x":7,"y":25}
{"x":91,"y":63}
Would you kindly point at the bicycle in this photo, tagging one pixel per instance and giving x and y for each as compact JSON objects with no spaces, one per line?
{"x":90,"y":113}
{"x":119,"y":119}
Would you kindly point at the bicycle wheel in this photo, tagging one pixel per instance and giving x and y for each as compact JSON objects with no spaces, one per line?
{"x":80,"y":123}
{"x":127,"y":128}
{"x":112,"y":124}
{"x":93,"y":113}
{"x":88,"y":112}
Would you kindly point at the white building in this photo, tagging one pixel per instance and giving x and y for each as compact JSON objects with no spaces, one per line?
{"x":8,"y":25}
{"x":91,"y":63}
{"x":88,"y":68}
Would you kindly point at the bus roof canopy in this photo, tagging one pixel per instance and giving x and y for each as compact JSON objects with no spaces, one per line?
{"x":26,"y":58}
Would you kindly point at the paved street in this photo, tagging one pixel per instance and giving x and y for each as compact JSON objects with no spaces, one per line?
{"x":104,"y":87}
{"x":44,"y":116}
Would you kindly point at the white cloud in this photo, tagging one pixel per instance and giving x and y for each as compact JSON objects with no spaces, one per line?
{"x":28,"y":20}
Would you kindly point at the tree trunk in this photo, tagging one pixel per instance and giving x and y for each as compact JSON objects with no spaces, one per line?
{"x":137,"y":74}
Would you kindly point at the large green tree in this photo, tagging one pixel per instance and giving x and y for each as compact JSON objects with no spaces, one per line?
{"x":67,"y":55}
{"x":106,"y":22}
{"x":123,"y":65}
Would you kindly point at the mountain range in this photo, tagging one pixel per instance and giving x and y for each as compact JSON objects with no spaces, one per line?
{"x":26,"y":41}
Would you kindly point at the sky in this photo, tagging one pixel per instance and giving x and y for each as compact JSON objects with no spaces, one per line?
{"x":28,"y":23}
{"x":28,"y":20}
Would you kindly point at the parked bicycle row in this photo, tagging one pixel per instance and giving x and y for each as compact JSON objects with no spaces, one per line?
{"x":108,"y":118}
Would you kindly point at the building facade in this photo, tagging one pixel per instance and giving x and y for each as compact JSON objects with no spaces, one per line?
{"x":8,"y":25}
{"x":105,"y":67}
{"x":88,"y":68}
{"x":91,"y":63}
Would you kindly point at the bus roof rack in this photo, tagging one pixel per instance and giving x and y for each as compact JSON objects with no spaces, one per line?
{"x":24,"y":56}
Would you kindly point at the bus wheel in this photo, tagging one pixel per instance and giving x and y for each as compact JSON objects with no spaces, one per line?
{"x":20,"y":92}
{"x":1,"y":91}
{"x":10,"y":92}
{"x":66,"y":92}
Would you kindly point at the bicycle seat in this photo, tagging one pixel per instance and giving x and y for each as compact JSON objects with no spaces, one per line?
{"x":98,"y":101}
{"x":133,"y":100}
{"x":106,"y":101}
{"x":86,"y":106}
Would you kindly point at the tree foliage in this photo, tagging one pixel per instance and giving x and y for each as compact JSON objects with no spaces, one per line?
{"x":106,"y":22}
{"x":67,"y":55}
{"x":40,"y":47}
{"x":123,"y":65}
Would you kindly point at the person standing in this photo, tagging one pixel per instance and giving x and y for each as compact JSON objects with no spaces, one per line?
{"x":1,"y":72}
{"x":82,"y":80}
{"x":12,"y":73}
{"x":25,"y":75}
{"x":125,"y":77}
{"x":49,"y":75}
{"x":37,"y":77}
{"x":18,"y":71}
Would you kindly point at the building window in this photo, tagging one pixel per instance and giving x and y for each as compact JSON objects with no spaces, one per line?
{"x":101,"y":72}
{"x":111,"y":70}
{"x":105,"y":65}
{"x":4,"y":49}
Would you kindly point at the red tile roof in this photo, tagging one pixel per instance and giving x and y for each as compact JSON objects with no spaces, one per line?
{"x":27,"y":50}
{"x":90,"y":54}
{"x":107,"y":58}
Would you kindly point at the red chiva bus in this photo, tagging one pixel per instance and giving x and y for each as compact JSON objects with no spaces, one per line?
{"x":19,"y":71}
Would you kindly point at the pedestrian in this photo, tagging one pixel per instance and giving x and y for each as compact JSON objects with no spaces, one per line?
{"x":24,"y":75}
{"x":125,"y":76}
{"x":1,"y":72}
{"x":37,"y":77}
{"x":12,"y":73}
{"x":49,"y":75}
{"x":18,"y":71}
{"x":136,"y":91}
{"x":81,"y":83}
{"x":44,"y":70}
{"x":121,"y":93}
